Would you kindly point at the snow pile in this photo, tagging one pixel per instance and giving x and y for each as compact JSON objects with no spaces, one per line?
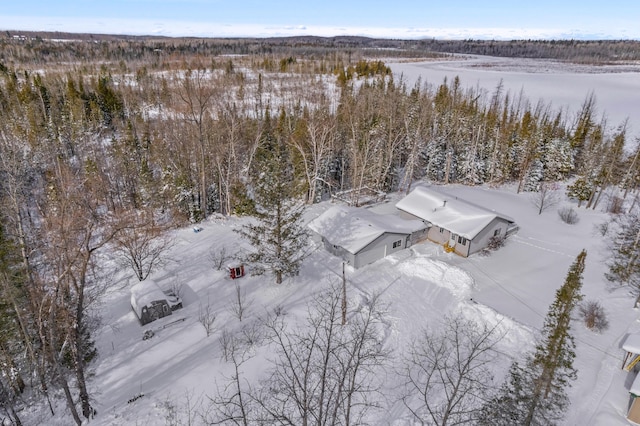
{"x":458,"y":282}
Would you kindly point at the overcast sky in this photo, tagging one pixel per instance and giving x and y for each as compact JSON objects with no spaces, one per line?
{"x":497,"y":19}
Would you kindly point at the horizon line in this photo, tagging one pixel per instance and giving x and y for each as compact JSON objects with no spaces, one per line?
{"x":192,"y":29}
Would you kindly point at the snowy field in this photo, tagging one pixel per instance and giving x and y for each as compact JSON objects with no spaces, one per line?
{"x":140,"y":382}
{"x":566,"y":86}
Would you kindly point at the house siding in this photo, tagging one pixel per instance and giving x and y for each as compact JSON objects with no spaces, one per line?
{"x":418,"y":236}
{"x":438,"y":237}
{"x":482,"y":239}
{"x":459,"y":248}
{"x":340,"y":252}
{"x":379,"y":248}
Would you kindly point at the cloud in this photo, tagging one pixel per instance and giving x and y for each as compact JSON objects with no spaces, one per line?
{"x":202,"y":29}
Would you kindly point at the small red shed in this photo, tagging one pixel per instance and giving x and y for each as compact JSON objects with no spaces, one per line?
{"x":236,"y":271}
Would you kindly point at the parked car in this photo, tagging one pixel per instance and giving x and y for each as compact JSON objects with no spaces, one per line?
{"x":149,"y":302}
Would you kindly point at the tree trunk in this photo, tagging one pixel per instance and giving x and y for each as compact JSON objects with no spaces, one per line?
{"x":8,"y":405}
{"x":87,"y":410}
{"x":55,"y":363}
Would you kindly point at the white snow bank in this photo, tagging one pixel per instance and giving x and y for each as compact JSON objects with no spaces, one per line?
{"x":452,"y":278}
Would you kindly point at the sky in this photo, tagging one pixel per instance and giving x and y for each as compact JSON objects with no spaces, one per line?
{"x":405,"y":19}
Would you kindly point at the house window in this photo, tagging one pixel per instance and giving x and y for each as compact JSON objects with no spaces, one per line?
{"x":462,"y":240}
{"x":397,"y":244}
{"x":497,"y":232}
{"x":442,"y":230}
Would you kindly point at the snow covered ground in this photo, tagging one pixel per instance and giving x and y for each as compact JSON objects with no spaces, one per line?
{"x":566,"y":86}
{"x":140,"y":382}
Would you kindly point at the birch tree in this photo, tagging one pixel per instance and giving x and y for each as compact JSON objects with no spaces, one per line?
{"x":323,"y":373}
{"x":447,"y":374}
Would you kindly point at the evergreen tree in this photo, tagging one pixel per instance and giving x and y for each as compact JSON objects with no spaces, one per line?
{"x":581,"y":190}
{"x":535,"y":393}
{"x":558,"y":159}
{"x":279,"y":239}
{"x":624,"y":263}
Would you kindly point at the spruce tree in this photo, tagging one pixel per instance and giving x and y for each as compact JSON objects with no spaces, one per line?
{"x":279,"y":239}
{"x":581,"y":190}
{"x":624,"y":263}
{"x":534,"y":392}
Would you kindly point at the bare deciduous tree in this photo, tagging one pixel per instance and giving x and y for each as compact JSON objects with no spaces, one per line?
{"x":76,"y":228}
{"x":233,"y":403}
{"x":315,"y":145}
{"x":197,"y":92}
{"x":593,"y":315}
{"x":143,"y":243}
{"x":568,"y":215}
{"x":447,"y":374}
{"x":207,"y":317}
{"x":546,"y":197}
{"x":219,"y":257}
{"x":323,"y":373}
{"x":240,"y":304}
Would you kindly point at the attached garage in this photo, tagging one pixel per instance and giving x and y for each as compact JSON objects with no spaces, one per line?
{"x":360,"y":236}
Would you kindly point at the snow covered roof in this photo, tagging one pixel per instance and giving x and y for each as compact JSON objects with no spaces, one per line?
{"x":632,"y":344}
{"x":143,"y":293}
{"x":354,"y":228}
{"x":448,"y":212}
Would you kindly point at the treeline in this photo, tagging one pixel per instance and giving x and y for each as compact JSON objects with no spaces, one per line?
{"x":86,"y":147}
{"x":581,"y":51}
{"x":26,"y":48}
{"x":42,"y":47}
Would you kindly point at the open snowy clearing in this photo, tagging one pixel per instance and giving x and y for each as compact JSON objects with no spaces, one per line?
{"x":565,"y":86}
{"x":135,"y":378}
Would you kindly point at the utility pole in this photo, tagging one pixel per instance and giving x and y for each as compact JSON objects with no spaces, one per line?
{"x":344,"y":297}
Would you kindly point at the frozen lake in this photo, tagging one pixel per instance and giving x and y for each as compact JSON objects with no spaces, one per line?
{"x":564,"y":86}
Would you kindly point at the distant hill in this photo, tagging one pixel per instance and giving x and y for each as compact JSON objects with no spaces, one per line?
{"x":580,"y":51}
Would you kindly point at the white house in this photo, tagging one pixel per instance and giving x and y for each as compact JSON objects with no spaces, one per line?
{"x":461,"y":226}
{"x":360,"y":236}
{"x":631,"y":346}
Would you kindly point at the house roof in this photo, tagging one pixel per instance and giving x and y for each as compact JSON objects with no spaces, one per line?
{"x":144,"y":293}
{"x":632,"y":344}
{"x":449,"y":212}
{"x":354,"y":228}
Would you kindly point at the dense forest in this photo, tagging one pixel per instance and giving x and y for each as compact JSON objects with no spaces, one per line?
{"x":100,"y":135}
{"x":30,"y":47}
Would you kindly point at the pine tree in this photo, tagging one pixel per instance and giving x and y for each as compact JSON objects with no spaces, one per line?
{"x":558,"y":159}
{"x":580,"y":190}
{"x":534,"y":392}
{"x":278,"y":239}
{"x":624,"y":263}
